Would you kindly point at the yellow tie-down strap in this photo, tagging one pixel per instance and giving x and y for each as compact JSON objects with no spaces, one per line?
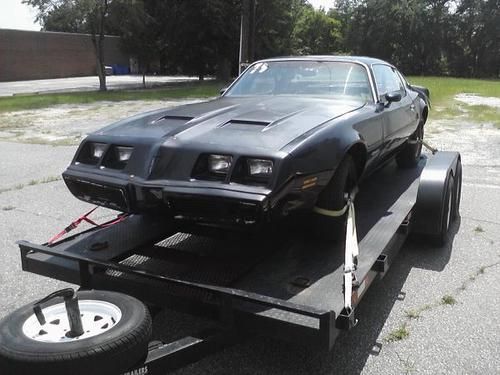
{"x":331,"y":213}
{"x":337,"y":213}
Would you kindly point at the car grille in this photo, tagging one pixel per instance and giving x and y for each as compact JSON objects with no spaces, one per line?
{"x":102,"y":195}
{"x":218,"y":210}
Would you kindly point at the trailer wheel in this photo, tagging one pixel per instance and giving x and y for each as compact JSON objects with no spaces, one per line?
{"x":457,"y":192}
{"x":333,"y":198}
{"x":446,"y":213}
{"x":409,"y":155}
{"x":117,"y":330}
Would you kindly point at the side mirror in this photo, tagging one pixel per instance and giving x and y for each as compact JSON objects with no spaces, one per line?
{"x":394,"y":96}
{"x":222,"y":91}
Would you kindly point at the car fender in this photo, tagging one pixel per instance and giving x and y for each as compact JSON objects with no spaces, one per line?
{"x":423,"y":109}
{"x":323,"y":151}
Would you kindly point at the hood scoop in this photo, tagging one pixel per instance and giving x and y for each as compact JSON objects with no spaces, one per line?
{"x":245,"y":124}
{"x":172,"y":117}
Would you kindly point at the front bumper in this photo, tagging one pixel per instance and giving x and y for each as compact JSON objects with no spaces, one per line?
{"x":201,"y":203}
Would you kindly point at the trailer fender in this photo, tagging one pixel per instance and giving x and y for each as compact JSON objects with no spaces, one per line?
{"x":429,"y":212}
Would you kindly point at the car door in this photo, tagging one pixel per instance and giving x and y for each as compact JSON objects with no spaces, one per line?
{"x":399,"y":118}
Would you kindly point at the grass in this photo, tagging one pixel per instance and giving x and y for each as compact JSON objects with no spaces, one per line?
{"x":444,"y":89}
{"x":44,"y":180}
{"x":403,"y":332}
{"x":408,"y":365}
{"x":448,"y":300}
{"x":35,"y":101}
{"x":398,"y":334}
{"x":478,"y":229}
{"x":416,"y":313}
{"x":70,"y":141}
{"x":412,"y":314}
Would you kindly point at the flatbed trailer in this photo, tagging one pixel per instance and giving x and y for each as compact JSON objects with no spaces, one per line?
{"x":288,"y":286}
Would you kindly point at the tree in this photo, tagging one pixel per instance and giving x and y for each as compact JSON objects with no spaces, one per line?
{"x":316,"y":33}
{"x":197,"y":36}
{"x":274,"y":24}
{"x":84,"y":16}
{"x":476,"y":48}
{"x":138,"y":30}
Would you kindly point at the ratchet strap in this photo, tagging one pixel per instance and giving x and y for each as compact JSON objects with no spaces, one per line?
{"x":331,"y":213}
{"x":338,"y":213}
{"x":85,"y":218}
{"x":351,"y":245}
{"x":433,"y":150}
{"x":351,"y":254}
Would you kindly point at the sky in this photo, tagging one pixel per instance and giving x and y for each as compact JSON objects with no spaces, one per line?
{"x":16,"y":15}
{"x":327,"y":4}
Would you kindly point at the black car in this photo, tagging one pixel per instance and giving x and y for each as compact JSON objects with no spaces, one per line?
{"x":290,"y":134}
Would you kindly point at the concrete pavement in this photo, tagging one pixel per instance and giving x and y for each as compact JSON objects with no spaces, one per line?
{"x":86,"y":84}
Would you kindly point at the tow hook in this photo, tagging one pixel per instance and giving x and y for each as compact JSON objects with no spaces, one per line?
{"x":72,"y":310}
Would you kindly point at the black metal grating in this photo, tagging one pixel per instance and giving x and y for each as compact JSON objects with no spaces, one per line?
{"x":192,"y":258}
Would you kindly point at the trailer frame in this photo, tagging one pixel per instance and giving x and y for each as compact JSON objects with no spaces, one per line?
{"x":240,"y":308}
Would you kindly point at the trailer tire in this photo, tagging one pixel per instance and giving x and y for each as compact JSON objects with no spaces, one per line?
{"x":333,"y":198}
{"x":113,"y":351}
{"x":457,"y":192}
{"x":409,"y":155}
{"x":446,"y":213}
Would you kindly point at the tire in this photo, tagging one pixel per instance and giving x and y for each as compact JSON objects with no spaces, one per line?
{"x":333,"y":198}
{"x":457,"y":192}
{"x":409,"y":155}
{"x":446,"y":213}
{"x":112,"y":352}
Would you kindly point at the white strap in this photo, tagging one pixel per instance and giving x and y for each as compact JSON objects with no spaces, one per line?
{"x":351,"y":252}
{"x":352,"y":239}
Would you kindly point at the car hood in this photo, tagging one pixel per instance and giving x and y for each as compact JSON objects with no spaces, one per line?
{"x":263,"y":122}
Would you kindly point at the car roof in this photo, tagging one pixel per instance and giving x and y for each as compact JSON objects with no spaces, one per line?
{"x":360,"y":59}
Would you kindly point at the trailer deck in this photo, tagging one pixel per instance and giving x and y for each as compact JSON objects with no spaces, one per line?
{"x":284,"y":284}
{"x":292,"y":271}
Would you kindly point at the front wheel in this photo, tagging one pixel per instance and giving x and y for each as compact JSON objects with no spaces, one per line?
{"x":117,"y":330}
{"x":333,"y":199}
{"x":409,"y":155}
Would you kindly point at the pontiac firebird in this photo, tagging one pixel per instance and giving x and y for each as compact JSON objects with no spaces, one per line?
{"x":289,"y":134}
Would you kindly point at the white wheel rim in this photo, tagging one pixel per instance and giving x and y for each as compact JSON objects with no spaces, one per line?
{"x":97,"y":317}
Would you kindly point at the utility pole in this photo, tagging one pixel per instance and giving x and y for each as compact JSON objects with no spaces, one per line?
{"x":247,"y":33}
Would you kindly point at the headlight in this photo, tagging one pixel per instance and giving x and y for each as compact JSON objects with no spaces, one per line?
{"x":123,"y":153}
{"x":97,"y":150}
{"x":219,"y":164}
{"x":260,"y":167}
{"x":91,"y":153}
{"x":117,"y":157}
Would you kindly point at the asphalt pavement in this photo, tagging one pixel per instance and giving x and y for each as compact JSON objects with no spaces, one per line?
{"x":458,"y":337}
{"x":90,"y":83}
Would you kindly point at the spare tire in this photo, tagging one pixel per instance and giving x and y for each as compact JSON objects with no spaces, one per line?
{"x":117,"y":331}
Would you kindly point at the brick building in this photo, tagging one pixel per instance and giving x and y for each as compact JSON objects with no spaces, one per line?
{"x":28,"y":55}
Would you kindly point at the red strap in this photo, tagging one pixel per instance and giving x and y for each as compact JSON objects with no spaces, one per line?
{"x":85,"y":218}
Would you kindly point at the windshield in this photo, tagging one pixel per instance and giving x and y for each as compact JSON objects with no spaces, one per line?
{"x":342,"y":80}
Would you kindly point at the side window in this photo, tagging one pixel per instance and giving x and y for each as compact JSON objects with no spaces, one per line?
{"x":387,"y":80}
